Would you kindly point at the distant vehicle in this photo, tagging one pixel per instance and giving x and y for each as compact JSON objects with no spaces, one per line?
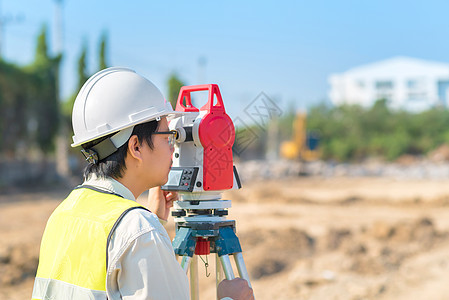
{"x":304,"y":145}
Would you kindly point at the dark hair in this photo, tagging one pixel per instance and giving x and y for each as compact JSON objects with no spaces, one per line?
{"x":114,"y":165}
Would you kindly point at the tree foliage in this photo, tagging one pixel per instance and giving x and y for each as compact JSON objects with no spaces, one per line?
{"x":15,"y":107}
{"x":174,"y":85}
{"x":353,"y":133}
{"x":30,"y":111}
{"x":83,"y":74}
{"x":45,"y":73}
{"x":29,"y":106}
{"x":82,"y":77}
{"x":102,"y":61}
{"x":350,"y":132}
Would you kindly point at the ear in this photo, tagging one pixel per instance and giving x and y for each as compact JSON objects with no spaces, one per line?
{"x":135,"y":148}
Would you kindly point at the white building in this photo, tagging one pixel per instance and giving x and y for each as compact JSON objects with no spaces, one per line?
{"x":406,"y":83}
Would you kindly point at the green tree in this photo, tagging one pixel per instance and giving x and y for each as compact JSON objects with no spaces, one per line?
{"x":82,"y":78}
{"x":15,"y":111}
{"x":102,"y":55}
{"x":44,"y":74}
{"x":285,"y":122}
{"x":41,"y":55}
{"x":174,"y":85}
{"x":351,"y":132}
{"x":82,"y":66}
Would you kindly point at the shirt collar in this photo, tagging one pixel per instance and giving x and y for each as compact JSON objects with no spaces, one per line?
{"x":111,"y":185}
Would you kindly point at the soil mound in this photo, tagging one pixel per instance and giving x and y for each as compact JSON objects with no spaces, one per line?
{"x":17,"y":263}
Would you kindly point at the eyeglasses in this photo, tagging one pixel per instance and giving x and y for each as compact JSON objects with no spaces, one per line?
{"x":173,"y":134}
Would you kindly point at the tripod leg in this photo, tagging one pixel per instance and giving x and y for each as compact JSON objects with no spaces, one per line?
{"x":227,"y":267}
{"x":194,"y":284}
{"x":185,"y":263}
{"x":219,"y":275}
{"x":241,"y":267}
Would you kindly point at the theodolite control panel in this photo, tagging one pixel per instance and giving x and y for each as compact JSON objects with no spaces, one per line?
{"x":181,"y":179}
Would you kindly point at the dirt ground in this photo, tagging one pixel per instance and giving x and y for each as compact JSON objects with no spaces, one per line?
{"x":303,"y":238}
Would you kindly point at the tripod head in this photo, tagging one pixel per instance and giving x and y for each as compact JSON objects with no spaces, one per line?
{"x":202,"y":160}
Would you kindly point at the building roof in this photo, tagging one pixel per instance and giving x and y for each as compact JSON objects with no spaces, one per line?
{"x":400,"y":65}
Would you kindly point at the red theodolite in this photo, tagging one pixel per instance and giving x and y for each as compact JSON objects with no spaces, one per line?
{"x":202,"y":169}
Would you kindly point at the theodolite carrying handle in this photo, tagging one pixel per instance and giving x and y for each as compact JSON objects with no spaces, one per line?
{"x":214,"y":92}
{"x":216,"y":135}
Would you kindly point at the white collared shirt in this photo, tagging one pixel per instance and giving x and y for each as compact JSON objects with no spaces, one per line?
{"x":142,"y":263}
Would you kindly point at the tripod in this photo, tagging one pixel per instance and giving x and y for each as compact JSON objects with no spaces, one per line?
{"x":206,"y":231}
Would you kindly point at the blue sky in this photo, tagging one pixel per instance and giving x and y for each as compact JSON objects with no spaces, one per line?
{"x":285,"y":49}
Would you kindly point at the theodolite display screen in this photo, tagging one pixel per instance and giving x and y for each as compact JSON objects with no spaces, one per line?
{"x":174,"y":177}
{"x":181,"y":179}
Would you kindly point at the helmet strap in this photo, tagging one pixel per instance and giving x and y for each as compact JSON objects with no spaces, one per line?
{"x":122,"y":136}
{"x":103,"y":149}
{"x":90,"y":155}
{"x":107,"y":146}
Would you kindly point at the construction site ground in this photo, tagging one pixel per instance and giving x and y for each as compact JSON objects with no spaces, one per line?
{"x":303,"y":238}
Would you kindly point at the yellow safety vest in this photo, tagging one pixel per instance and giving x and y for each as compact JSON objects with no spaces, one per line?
{"x":73,"y":255}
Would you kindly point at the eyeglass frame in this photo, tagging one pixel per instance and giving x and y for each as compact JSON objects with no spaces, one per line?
{"x":173,"y":133}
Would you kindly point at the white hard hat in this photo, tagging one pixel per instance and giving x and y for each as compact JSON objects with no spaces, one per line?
{"x":113,"y":100}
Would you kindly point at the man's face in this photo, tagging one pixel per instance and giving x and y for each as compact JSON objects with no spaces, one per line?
{"x":159,"y":159}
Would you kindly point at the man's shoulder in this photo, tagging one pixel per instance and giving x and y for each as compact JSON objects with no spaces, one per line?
{"x":136,"y":224}
{"x":138,"y":221}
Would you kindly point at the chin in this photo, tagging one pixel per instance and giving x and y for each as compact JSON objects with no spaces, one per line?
{"x":164,"y":181}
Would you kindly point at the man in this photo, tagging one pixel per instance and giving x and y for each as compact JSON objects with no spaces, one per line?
{"x":99,"y":243}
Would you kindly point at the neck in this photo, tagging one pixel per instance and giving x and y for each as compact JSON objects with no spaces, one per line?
{"x":133,"y":185}
{"x":135,"y":182}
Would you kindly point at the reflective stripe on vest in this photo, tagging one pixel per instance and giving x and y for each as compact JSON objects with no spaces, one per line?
{"x":73,"y":254}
